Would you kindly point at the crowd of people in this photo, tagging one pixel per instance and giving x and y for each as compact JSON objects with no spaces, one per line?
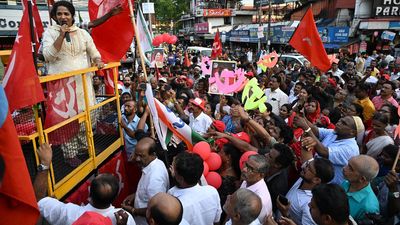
{"x":324,"y":149}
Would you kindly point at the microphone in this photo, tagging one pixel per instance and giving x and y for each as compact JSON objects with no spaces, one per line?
{"x":67,"y":37}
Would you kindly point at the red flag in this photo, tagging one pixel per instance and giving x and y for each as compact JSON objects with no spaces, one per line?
{"x":187,"y":60}
{"x":38,"y":22}
{"x":307,"y":41}
{"x":17,"y":198}
{"x":21,"y":82}
{"x":61,"y":105}
{"x":217,"y":46}
{"x":113,"y":37}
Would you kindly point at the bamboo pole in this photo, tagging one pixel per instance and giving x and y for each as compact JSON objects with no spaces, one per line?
{"x":141,"y":57}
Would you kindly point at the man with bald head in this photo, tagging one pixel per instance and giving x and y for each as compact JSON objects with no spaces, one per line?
{"x":338,"y":145}
{"x":243,"y":207}
{"x":154,"y":179}
{"x":359,"y":173}
{"x":164,"y":209}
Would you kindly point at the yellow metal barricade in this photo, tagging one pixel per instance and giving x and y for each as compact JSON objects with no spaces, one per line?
{"x":92,"y":134}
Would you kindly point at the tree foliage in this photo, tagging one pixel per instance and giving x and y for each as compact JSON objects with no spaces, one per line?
{"x":167,"y":10}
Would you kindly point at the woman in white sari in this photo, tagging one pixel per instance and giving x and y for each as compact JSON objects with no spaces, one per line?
{"x":377,"y":137}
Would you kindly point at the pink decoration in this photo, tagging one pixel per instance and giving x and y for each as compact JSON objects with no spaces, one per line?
{"x":203,"y":149}
{"x":214,"y":161}
{"x":245,"y":157}
{"x":214,"y":179}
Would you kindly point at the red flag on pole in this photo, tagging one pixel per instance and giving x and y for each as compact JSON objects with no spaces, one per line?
{"x":113,"y":37}
{"x":307,"y":42}
{"x":187,"y":60}
{"x":17,"y":198}
{"x":21,"y":82}
{"x":38,"y":22}
{"x":217,"y":46}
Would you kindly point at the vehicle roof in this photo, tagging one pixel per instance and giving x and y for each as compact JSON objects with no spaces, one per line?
{"x":199,"y":48}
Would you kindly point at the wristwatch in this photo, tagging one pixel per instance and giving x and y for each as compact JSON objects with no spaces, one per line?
{"x":395,"y":194}
{"x":42,"y":167}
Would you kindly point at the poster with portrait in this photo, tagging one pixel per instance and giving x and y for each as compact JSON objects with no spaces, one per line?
{"x":157,"y":58}
{"x":219,"y":67}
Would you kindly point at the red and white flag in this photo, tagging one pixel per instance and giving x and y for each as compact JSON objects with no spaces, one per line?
{"x":216,"y":47}
{"x":21,"y":82}
{"x":62,"y":104}
{"x":114,"y":37}
{"x":306,"y":41}
{"x":17,"y":198}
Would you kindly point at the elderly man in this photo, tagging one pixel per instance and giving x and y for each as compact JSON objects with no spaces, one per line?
{"x":243,"y":207}
{"x":154,"y":179}
{"x":359,"y":173}
{"x":338,"y":145}
{"x":103,"y":191}
{"x":201,"y":204}
{"x":164,"y":209}
{"x":315,"y":172}
{"x":253,"y":173}
{"x":198,"y":120}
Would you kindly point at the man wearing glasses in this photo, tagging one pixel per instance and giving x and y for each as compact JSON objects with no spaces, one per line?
{"x":253,"y":174}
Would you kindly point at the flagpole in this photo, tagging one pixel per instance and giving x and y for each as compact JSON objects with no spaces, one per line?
{"x":141,"y":54}
{"x":32,"y":31}
{"x":299,"y":23}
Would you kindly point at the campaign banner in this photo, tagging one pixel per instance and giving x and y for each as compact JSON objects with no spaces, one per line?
{"x":201,"y":28}
{"x":334,"y":34}
{"x":221,"y":67}
{"x":157,"y":58}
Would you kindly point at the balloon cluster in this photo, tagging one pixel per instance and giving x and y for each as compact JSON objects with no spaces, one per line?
{"x":164,"y":38}
{"x":212,"y":161}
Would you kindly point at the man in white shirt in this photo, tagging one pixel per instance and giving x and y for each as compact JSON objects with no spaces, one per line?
{"x":154,"y":179}
{"x":275,"y":96}
{"x":198,"y":120}
{"x":243,"y":207}
{"x":201,"y":204}
{"x":103,"y":191}
{"x":249,"y":55}
{"x":315,"y":172}
{"x":253,"y":174}
{"x":336,"y":72}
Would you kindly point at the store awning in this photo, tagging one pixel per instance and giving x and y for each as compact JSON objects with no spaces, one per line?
{"x":380,"y":24}
{"x":221,"y":29}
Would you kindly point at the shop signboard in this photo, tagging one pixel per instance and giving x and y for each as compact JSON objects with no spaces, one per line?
{"x":217,"y":13}
{"x":240,"y":33}
{"x":388,"y":35}
{"x":334,"y":34}
{"x":201,"y":28}
{"x":386,"y":8}
{"x":280,"y":34}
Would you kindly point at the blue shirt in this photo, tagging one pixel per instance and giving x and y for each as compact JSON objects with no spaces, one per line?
{"x":130,"y":143}
{"x":361,"y":202}
{"x":340,"y":151}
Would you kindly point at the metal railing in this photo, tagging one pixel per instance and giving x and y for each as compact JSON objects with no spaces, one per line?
{"x":93,"y":134}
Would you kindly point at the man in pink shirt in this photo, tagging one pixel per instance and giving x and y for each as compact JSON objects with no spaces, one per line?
{"x":253,"y":173}
{"x":385,"y":96}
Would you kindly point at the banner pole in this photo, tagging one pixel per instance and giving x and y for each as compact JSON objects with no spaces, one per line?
{"x":141,"y":54}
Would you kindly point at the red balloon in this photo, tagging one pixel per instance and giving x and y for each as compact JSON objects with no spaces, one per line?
{"x":206,"y":169}
{"x":157,"y":40}
{"x":214,"y":179}
{"x":214,"y":161}
{"x":173,"y":39}
{"x":203,"y":149}
{"x":245,"y":157}
{"x":164,"y":37}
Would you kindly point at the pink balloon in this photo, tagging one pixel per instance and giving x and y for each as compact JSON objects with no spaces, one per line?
{"x":214,"y":161}
{"x":214,"y":179}
{"x":206,"y":169}
{"x":203,"y":149}
{"x":245,"y":157}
